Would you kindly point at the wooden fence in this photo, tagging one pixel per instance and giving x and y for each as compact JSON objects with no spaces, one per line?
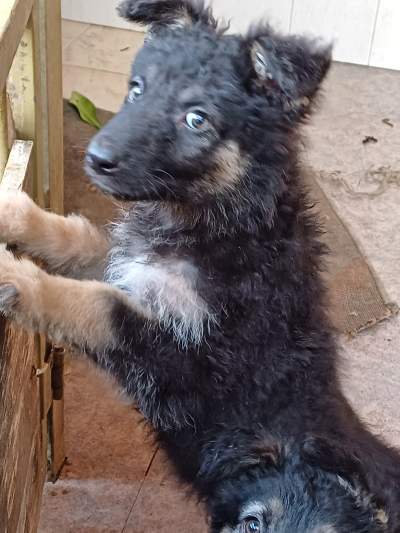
{"x":31,"y":157}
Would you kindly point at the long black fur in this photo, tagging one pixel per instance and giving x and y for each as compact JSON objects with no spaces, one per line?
{"x":254,"y":410}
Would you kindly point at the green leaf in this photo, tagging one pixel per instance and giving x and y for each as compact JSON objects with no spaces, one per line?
{"x":86,"y":109}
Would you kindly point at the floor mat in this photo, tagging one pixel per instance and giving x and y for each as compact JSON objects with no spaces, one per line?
{"x":355,"y":299}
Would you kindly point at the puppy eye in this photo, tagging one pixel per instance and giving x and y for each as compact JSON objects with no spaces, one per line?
{"x":136,"y":89}
{"x":196,"y":120}
{"x":252,"y":525}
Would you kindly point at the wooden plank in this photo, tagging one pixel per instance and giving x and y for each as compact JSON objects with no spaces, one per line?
{"x":386,"y":43}
{"x":21,"y":88}
{"x":12,"y":135}
{"x":23,"y":443}
{"x":46,"y":19}
{"x":22,"y":471}
{"x":14,"y":15}
{"x":46,"y":398}
{"x":43,"y":373}
{"x":7,"y":129}
{"x":35,"y":89}
{"x":22,"y":93}
{"x":56,"y":425}
{"x":3,"y":131}
{"x":41,"y":178}
{"x":35,"y":482}
{"x":350,"y":25}
{"x":55,"y":104}
{"x":58,"y":455}
{"x":17,"y":166}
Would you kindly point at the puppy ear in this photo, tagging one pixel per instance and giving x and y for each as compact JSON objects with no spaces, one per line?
{"x":222,"y":459}
{"x":172,"y":13}
{"x":331,"y":457}
{"x":290,"y":69}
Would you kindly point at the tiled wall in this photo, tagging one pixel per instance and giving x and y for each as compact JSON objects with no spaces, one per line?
{"x":365,"y":32}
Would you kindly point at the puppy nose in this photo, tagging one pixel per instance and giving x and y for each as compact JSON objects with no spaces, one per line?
{"x":101,"y":158}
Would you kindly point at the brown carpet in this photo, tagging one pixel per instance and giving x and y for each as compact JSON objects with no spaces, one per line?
{"x":356,"y":301}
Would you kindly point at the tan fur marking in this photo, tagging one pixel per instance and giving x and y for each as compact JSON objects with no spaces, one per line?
{"x":382,"y":516}
{"x":68,"y":311}
{"x":66,"y":244}
{"x":231,"y":165}
{"x":230,"y":168}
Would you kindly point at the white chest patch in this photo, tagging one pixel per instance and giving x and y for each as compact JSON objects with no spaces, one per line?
{"x":166,"y":291}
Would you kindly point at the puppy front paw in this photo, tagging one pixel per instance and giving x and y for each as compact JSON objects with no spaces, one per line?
{"x":16,"y":212}
{"x":19,"y":289}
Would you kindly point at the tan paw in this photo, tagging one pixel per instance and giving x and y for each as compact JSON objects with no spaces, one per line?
{"x":17,"y":212}
{"x":19,"y":284}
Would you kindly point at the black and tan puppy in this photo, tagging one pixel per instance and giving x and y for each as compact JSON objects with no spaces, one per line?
{"x":210,"y":313}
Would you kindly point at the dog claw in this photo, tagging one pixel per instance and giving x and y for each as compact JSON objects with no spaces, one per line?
{"x":8,"y":297}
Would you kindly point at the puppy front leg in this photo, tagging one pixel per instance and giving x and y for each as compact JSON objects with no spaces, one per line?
{"x":68,"y":311}
{"x":70,"y":245}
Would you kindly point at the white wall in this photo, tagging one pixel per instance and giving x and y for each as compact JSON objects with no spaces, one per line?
{"x":349,"y":23}
{"x":101,"y":12}
{"x":243,"y":13}
{"x":366,"y":32}
{"x":385,"y":51}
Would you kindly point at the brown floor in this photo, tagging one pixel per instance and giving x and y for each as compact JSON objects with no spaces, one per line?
{"x":115,"y":481}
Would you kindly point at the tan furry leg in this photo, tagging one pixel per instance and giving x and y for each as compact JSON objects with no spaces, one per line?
{"x":68,"y":245}
{"x":68,"y":311}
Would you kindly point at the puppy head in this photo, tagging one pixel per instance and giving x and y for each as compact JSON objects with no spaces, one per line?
{"x":208,"y":116}
{"x":314,"y":488}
